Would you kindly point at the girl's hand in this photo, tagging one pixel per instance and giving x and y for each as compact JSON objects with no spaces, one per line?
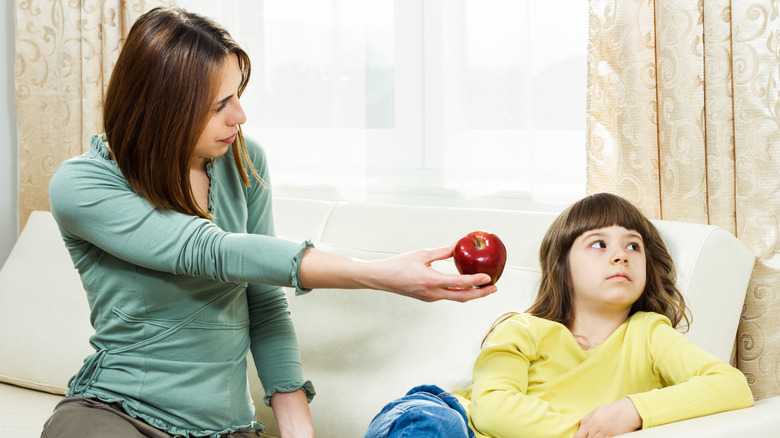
{"x":291,"y":411}
{"x":610,"y":420}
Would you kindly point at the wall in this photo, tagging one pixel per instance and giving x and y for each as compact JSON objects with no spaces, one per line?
{"x":9,"y":175}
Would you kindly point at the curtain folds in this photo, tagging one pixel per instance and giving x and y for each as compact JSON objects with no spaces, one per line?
{"x":684,"y":120}
{"x":65,"y":51}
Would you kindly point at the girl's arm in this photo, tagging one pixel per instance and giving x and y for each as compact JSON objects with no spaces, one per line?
{"x":612,"y":419}
{"x":499,"y":404}
{"x":696,"y":383}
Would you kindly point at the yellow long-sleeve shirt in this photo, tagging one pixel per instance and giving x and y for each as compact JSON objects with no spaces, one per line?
{"x":532,"y":379}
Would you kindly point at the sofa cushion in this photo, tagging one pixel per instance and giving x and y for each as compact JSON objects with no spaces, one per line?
{"x":24,"y":411}
{"x":44,"y":316}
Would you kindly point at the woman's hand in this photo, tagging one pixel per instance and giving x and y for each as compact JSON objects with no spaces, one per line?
{"x":409,"y":274}
{"x":610,"y":420}
{"x":291,"y":411}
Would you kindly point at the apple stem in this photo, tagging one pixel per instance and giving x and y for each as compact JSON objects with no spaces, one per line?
{"x":478,"y":242}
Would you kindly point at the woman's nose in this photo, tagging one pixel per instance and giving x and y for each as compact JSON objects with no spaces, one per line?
{"x":238,"y":116}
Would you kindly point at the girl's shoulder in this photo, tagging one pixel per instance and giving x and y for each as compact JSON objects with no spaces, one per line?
{"x":646,"y":325}
{"x":531,"y":321}
{"x":649,"y":319}
{"x":532,"y":328}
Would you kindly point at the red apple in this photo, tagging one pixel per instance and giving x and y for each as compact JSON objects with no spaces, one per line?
{"x":480,"y":252}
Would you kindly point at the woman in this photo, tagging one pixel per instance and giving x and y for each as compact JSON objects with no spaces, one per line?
{"x":168,"y":220}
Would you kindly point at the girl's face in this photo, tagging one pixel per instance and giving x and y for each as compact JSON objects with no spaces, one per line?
{"x":226,"y":115}
{"x":608,"y":270}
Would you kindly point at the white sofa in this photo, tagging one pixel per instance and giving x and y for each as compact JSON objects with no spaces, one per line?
{"x":362,"y":349}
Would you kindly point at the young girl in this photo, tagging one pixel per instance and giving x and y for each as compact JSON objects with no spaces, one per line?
{"x":596,"y":355}
{"x":168,"y":220}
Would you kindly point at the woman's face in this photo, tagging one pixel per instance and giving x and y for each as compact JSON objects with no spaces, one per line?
{"x":226,"y":115}
{"x":608,"y":270}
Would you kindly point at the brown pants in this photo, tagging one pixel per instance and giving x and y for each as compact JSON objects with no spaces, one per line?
{"x":78,"y":417}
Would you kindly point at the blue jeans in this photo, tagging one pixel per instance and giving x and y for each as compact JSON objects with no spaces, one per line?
{"x":425,"y":411}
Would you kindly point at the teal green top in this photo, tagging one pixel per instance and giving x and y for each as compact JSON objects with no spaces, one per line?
{"x":177,"y":300}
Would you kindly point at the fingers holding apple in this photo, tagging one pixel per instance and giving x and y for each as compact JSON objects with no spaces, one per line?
{"x":480,"y":252}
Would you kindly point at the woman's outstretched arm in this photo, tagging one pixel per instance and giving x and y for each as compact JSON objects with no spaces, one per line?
{"x":409,"y":274}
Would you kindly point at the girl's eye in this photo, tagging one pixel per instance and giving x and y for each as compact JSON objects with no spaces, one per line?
{"x":598,"y":244}
{"x":633,"y":246}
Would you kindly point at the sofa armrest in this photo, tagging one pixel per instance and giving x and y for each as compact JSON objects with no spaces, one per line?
{"x":759,"y":421}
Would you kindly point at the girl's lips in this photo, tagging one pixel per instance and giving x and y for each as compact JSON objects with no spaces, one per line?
{"x":622,"y":276}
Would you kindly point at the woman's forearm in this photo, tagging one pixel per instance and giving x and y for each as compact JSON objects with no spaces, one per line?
{"x":291,"y":410}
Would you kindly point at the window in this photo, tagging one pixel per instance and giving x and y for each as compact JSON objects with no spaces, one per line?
{"x":432,"y":102}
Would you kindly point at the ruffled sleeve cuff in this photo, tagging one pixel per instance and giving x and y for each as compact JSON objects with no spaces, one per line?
{"x":307,"y":388}
{"x":299,"y":290}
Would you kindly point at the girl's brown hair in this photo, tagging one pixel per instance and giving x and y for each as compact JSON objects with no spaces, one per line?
{"x":555,"y":298}
{"x":159,"y":100}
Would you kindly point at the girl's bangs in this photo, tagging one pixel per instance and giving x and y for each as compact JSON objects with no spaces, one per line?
{"x":601,"y":211}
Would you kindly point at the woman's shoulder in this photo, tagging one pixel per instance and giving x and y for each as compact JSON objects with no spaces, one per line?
{"x":255,"y":153}
{"x":95,"y":163}
{"x":86,"y":180}
{"x":254,"y":148}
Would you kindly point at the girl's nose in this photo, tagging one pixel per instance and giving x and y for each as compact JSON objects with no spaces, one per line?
{"x":620,"y":259}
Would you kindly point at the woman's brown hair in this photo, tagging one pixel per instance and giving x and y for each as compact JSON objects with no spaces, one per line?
{"x":159,"y":100}
{"x":555,"y":298}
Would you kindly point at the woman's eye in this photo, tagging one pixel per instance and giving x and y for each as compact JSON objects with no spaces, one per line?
{"x":220,"y":107}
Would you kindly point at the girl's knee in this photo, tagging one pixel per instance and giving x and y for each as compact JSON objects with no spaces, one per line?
{"x":418,"y":417}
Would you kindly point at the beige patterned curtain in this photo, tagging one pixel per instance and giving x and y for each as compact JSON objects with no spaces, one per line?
{"x":684,"y":120}
{"x":65,"y":51}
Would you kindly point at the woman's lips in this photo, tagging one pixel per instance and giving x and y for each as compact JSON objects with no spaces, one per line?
{"x":229,"y":140}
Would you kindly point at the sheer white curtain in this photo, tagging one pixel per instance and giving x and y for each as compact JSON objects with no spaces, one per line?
{"x":439,"y":102}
